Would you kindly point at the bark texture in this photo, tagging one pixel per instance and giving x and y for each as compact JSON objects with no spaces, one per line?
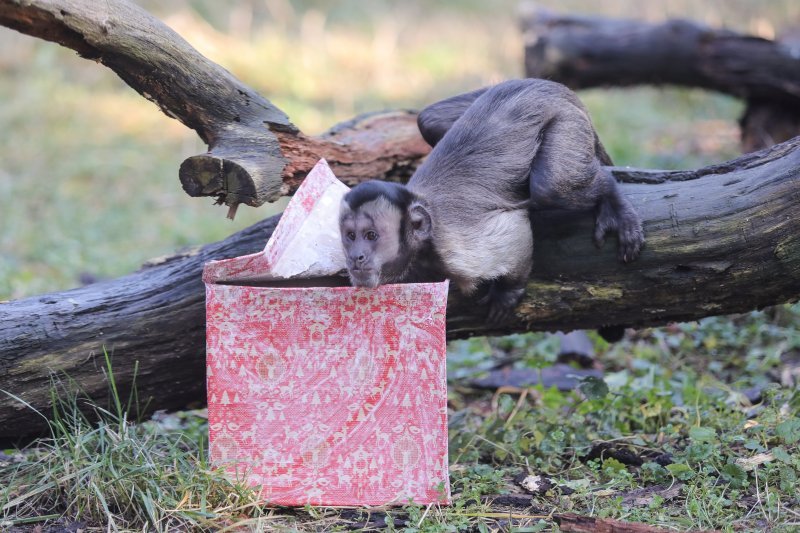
{"x":590,"y":51}
{"x":722,"y":239}
{"x":255,"y":154}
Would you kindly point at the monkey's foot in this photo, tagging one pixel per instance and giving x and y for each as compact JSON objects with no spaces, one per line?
{"x":612,"y":333}
{"x":501,"y":302}
{"x":624,"y":219}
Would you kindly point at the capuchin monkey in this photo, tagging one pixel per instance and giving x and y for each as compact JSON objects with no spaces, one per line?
{"x":497,"y":153}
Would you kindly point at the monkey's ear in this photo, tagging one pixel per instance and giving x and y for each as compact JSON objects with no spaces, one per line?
{"x":419,"y":223}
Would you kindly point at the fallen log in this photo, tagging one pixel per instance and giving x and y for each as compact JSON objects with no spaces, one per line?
{"x":255,"y":154}
{"x":722,"y":239}
{"x":585,"y":52}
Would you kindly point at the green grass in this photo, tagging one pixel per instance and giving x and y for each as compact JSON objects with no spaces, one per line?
{"x":672,"y":395}
{"x":116,"y":473}
{"x":670,"y":416}
{"x":702,"y":133}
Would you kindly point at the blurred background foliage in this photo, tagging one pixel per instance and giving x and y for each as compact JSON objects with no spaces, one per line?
{"x":88,"y":169}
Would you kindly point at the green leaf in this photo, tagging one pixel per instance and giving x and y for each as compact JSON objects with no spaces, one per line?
{"x":657,"y":501}
{"x":613,"y":468}
{"x":735,"y":475}
{"x":703,"y":434}
{"x":781,"y":454}
{"x":593,"y":388}
{"x":681,"y":471}
{"x":541,"y":525}
{"x":789,"y":430}
{"x":654,"y":472}
{"x":794,"y":401}
{"x":700,"y":452}
{"x":788,"y":481}
{"x":577,"y":484}
{"x":754,"y":444}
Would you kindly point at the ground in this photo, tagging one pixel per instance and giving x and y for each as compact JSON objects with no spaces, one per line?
{"x":694,"y":426}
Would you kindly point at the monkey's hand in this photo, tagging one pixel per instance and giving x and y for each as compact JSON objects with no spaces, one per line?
{"x":617,"y":213}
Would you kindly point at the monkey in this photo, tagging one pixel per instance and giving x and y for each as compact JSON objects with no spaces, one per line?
{"x":498,"y":153}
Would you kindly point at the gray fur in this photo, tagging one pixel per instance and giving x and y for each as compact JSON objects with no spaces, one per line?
{"x":498,"y":152}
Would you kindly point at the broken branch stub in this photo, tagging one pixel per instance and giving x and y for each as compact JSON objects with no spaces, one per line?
{"x":244,"y":163}
{"x":255,"y":154}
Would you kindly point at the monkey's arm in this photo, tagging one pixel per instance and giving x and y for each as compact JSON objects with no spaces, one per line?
{"x":436,"y":119}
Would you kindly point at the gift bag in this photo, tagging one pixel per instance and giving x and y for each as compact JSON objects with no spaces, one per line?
{"x":323,"y":394}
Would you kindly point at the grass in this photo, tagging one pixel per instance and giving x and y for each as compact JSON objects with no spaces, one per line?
{"x":671,"y":412}
{"x":117,"y":473}
{"x":673,"y":435}
{"x":693,"y":425}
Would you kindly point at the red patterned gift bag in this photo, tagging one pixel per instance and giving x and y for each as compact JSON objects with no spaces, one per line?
{"x":325,"y":395}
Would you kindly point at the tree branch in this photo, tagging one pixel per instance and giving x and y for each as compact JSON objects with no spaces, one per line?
{"x":255,"y":154}
{"x":584,"y":52}
{"x":722,"y":239}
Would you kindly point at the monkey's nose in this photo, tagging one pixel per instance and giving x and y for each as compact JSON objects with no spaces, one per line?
{"x":358,"y":260}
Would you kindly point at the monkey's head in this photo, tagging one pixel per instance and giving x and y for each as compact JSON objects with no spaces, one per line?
{"x":383,"y":226}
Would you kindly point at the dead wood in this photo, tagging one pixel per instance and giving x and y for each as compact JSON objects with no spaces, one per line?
{"x":255,"y":154}
{"x":573,"y":523}
{"x":722,"y":239}
{"x":585,"y":52}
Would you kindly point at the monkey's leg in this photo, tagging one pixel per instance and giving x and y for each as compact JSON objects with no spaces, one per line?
{"x":615,"y":212}
{"x":566,"y":174}
{"x":436,"y":119}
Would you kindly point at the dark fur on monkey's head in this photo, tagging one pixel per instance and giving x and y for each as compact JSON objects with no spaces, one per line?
{"x":370,"y":190}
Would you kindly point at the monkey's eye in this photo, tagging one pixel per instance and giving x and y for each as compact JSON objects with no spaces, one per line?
{"x":371,"y":236}
{"x":351,"y":235}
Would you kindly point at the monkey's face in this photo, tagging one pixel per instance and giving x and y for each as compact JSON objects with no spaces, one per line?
{"x":373,"y":243}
